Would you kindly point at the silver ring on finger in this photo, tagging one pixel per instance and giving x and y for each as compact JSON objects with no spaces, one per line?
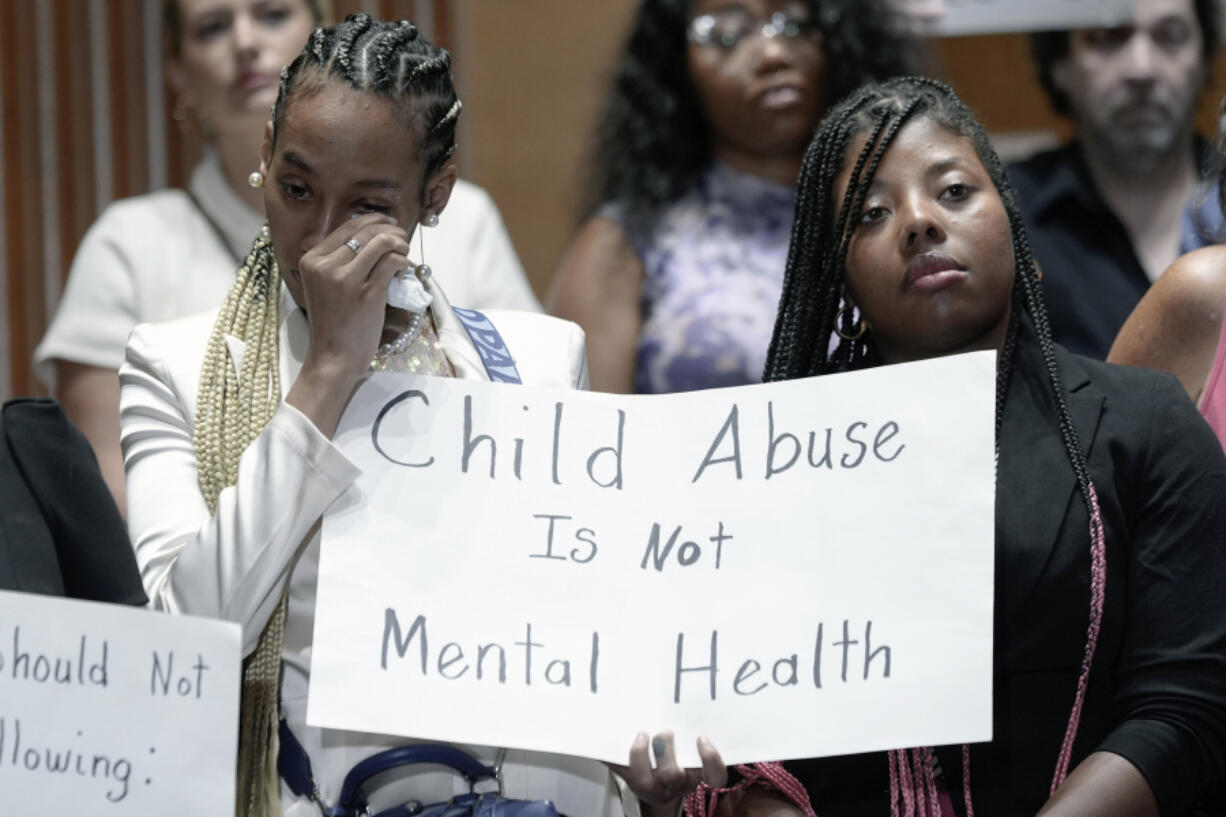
{"x":353,"y":244}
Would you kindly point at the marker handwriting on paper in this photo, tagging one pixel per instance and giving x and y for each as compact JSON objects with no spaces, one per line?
{"x":850,"y":448}
{"x":488,"y":657}
{"x":478,"y":452}
{"x":785,"y":670}
{"x":58,"y":758}
{"x":116,"y":710}
{"x":503,"y":657}
{"x":24,"y":662}
{"x":556,"y":570}
{"x":843,"y":447}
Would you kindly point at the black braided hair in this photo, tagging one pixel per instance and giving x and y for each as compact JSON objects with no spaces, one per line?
{"x":816,"y":266}
{"x":813,"y":279}
{"x":389,"y":59}
{"x":652,"y":139}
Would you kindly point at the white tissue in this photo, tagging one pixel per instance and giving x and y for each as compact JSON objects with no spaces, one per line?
{"x":404,"y":291}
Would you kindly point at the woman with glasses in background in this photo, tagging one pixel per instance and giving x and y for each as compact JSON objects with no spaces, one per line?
{"x":677,"y":272}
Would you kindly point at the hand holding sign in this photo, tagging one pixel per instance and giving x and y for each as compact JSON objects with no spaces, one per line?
{"x":555,"y":570}
{"x":660,"y":788}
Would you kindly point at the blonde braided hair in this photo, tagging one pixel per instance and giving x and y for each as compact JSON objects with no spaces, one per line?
{"x":383,"y":58}
{"x":231,"y":411}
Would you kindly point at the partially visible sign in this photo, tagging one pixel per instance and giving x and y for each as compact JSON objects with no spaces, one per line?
{"x":945,"y":18}
{"x":113,"y":710}
{"x":792,"y":569}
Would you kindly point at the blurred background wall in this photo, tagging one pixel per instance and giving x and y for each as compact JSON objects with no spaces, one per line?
{"x":85,"y":119}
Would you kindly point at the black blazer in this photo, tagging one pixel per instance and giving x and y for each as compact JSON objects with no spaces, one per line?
{"x":1157,"y":693}
{"x":60,"y":532}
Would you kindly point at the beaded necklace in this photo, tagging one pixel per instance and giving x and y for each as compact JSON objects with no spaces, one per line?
{"x":422,"y":353}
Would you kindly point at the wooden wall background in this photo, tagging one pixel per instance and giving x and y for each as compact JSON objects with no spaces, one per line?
{"x":85,"y":119}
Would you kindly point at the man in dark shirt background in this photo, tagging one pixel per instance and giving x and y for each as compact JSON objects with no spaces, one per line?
{"x":1108,"y":213}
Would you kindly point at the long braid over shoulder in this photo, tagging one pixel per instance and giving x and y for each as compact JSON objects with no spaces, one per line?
{"x":383,"y":58}
{"x":810,"y":307}
{"x":233,"y":408}
{"x":231,"y":411}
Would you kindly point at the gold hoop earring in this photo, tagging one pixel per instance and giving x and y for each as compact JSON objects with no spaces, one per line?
{"x":862,"y":327}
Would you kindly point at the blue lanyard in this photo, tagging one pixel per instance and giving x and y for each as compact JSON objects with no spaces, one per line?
{"x":495,"y":355}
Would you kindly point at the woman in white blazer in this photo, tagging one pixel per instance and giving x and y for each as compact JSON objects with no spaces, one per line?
{"x":227,"y":416}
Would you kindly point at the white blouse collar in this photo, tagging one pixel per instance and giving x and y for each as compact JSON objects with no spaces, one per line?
{"x":238,"y":222}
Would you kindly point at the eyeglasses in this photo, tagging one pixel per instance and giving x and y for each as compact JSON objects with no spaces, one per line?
{"x":727,"y":30}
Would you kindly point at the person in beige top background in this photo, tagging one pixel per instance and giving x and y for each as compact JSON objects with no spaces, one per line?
{"x":174,"y":252}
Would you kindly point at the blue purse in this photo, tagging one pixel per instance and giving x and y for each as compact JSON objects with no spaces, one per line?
{"x":295,"y":769}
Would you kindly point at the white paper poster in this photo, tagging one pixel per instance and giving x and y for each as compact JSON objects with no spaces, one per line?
{"x":792,"y":570}
{"x":115,"y":710}
{"x":958,"y":17}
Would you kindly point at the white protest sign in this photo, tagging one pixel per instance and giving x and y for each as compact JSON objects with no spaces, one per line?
{"x":959,"y":17}
{"x":114,"y":710}
{"x":794,"y":569}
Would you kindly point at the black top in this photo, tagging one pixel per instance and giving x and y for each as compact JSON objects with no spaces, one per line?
{"x":60,"y":532}
{"x":1157,"y":692}
{"x":1092,"y":279}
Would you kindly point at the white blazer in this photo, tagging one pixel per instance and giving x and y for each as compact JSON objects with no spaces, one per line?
{"x":233,"y":564}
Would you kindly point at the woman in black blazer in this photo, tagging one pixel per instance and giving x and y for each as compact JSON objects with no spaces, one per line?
{"x":1110,"y":617}
{"x":60,"y":532}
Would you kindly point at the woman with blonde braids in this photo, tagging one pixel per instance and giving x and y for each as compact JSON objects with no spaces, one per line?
{"x":227,"y":417}
{"x":170,"y":253}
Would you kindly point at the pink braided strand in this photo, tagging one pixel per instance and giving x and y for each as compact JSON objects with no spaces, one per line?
{"x":1098,"y":595}
{"x":703,"y":800}
{"x":966,"y":780}
{"x":930,"y":779}
{"x":908,"y":785}
{"x":917,"y":783}
{"x":786,"y":782}
{"x":895,"y":791}
{"x":913,"y":783}
{"x":920,"y":775}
